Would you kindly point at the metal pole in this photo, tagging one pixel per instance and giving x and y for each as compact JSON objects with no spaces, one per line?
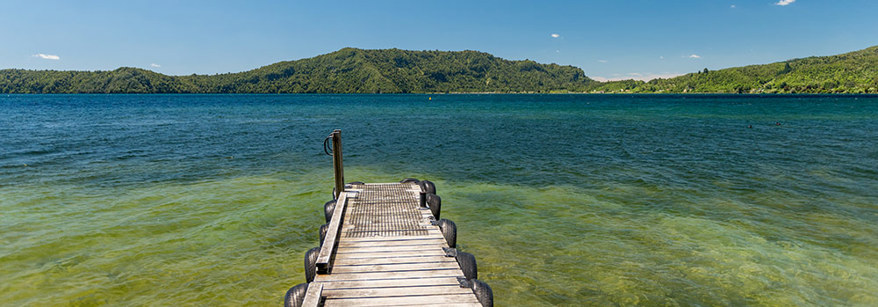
{"x":337,"y":162}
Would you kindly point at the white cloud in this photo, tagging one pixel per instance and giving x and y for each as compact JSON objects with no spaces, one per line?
{"x":661,"y":57}
{"x":733,"y":6}
{"x":47,"y":56}
{"x":694,"y":56}
{"x":155,"y":65}
{"x":636,"y":76}
{"x":602,"y":61}
{"x":784,"y":2}
{"x":555,"y":35}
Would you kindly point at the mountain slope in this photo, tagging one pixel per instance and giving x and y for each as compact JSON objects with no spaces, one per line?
{"x":348,"y":70}
{"x":853,"y":72}
{"x":122,"y":80}
{"x":351,"y":70}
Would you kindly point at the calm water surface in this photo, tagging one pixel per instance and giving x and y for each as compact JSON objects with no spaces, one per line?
{"x":564,"y":199}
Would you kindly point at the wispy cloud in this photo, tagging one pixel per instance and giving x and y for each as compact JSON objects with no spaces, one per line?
{"x":154,"y":65}
{"x":556,"y":35}
{"x":47,"y":56}
{"x":694,"y":56}
{"x":733,"y":6}
{"x":785,"y":2}
{"x":602,"y":61}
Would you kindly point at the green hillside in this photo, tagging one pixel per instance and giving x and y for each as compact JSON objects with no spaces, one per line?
{"x":854,"y":72}
{"x":352,"y":70}
{"x":348,"y":70}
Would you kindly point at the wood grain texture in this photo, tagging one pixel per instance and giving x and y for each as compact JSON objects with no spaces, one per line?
{"x":389,"y":255}
{"x":312,"y":296}
{"x":396,"y":291}
{"x":332,"y":232}
{"x":439,"y":299}
{"x":399,"y":282}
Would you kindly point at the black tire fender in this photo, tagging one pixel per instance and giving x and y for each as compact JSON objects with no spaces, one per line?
{"x":328,"y":209}
{"x":427,"y":186}
{"x":295,"y":296}
{"x":468,"y":265}
{"x":435,"y":204}
{"x":323,"y":233}
{"x":483,"y":293}
{"x":311,"y":264}
{"x":449,"y":231}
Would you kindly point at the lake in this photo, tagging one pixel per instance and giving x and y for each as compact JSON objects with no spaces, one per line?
{"x":563,"y":199}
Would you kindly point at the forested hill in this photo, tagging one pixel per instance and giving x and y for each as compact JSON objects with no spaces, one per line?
{"x":854,"y":72}
{"x":348,"y":70}
{"x":352,"y":70}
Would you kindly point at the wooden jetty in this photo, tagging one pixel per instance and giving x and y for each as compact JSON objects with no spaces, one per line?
{"x":384,"y":244}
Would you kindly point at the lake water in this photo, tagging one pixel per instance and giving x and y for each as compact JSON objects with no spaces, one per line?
{"x":563,"y":199}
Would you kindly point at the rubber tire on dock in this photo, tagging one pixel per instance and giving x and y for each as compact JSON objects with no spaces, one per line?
{"x":468,"y":265}
{"x":427,"y":186}
{"x":296,"y":295}
{"x":323,"y":233}
{"x":328,"y":209}
{"x":407,"y":180}
{"x":449,"y":231}
{"x":483,"y":293}
{"x":435,"y":204}
{"x":311,"y":264}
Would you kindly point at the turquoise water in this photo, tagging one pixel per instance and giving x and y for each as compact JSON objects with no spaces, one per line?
{"x":564,"y":199}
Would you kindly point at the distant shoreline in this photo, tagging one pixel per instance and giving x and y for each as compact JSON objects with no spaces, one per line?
{"x":359,"y":71}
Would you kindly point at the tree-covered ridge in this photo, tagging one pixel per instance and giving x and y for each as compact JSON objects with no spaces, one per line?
{"x":854,"y":72}
{"x":122,"y":80}
{"x":348,"y":70}
{"x":351,"y":70}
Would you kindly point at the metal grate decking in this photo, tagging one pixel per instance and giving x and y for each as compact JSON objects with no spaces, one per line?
{"x":384,"y":210}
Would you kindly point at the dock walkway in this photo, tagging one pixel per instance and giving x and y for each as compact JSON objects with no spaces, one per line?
{"x":385,"y":245}
{"x":388,"y":252}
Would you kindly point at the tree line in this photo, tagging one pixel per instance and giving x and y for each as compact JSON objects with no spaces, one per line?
{"x":852,"y":73}
{"x":351,"y":70}
{"x":348,"y":70}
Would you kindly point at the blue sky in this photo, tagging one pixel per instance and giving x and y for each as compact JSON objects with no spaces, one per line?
{"x":607,"y":39}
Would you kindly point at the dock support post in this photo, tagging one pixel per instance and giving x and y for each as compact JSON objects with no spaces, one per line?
{"x":337,"y":162}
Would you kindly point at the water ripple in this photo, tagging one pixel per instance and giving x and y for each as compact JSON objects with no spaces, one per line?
{"x":565,"y":199}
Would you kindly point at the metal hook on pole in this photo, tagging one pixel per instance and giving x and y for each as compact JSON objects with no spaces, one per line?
{"x":327,"y":146}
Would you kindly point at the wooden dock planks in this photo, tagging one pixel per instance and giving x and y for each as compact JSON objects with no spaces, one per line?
{"x":386,"y":251}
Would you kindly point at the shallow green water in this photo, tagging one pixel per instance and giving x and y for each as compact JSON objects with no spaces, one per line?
{"x":564,"y":199}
